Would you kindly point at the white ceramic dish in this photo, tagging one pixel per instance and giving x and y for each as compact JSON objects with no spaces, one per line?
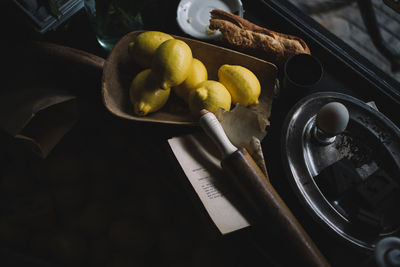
{"x":193,"y":15}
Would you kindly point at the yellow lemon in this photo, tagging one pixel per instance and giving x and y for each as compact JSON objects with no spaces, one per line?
{"x":144,"y":94}
{"x":209,"y":95}
{"x":197,"y":74}
{"x":145,"y":45}
{"x":241,"y":83}
{"x":171,"y":63}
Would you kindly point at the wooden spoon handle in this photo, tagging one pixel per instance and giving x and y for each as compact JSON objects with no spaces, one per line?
{"x":255,"y":187}
{"x":70,"y":54}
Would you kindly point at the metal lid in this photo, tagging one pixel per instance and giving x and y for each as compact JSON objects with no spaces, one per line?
{"x":370,"y":143}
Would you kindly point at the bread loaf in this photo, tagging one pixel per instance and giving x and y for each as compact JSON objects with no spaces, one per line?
{"x":255,"y":40}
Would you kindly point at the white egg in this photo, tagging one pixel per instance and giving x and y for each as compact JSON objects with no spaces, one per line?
{"x":332,"y":118}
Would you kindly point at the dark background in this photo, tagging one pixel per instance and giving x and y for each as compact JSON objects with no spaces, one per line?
{"x":125,"y":169}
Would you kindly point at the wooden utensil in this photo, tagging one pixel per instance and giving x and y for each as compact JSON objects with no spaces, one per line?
{"x":260,"y":195}
{"x":119,"y":69}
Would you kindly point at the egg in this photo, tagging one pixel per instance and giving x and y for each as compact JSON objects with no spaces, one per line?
{"x":332,"y":118}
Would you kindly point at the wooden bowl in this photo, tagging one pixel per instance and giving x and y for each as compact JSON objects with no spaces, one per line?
{"x":120,"y":69}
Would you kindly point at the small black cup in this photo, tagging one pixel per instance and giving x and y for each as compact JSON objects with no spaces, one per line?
{"x":302,"y":72}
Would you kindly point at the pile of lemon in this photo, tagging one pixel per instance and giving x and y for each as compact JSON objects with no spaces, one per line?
{"x":169,"y":63}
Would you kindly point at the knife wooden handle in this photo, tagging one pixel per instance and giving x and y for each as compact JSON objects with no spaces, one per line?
{"x":255,"y":187}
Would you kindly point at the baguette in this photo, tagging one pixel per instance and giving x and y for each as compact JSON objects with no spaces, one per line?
{"x":252,"y":39}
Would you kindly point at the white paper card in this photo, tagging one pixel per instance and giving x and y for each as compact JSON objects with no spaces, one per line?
{"x":199,"y":160}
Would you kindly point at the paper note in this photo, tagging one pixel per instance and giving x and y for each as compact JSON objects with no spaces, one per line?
{"x":200,"y":162}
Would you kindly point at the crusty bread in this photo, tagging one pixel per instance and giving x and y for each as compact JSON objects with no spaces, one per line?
{"x":255,"y":40}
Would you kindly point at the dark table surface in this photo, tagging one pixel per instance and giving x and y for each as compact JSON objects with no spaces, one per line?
{"x":123,"y":168}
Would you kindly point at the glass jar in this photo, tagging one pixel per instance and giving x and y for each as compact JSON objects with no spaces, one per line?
{"x":112,"y":19}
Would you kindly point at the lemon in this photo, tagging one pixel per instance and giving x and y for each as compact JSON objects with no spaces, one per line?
{"x":209,"y":95}
{"x":171,"y":62}
{"x":145,"y":45}
{"x":241,"y":83}
{"x":144,"y":94}
{"x":197,"y":74}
